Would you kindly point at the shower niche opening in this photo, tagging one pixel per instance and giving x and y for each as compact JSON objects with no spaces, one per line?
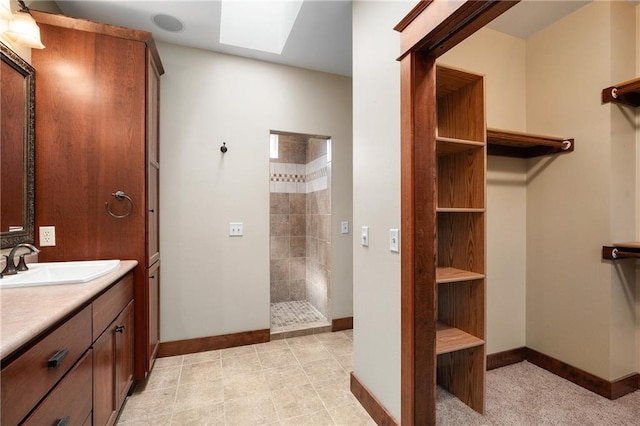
{"x":300,"y":233}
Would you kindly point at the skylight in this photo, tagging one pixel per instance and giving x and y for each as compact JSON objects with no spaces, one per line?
{"x":258,"y":25}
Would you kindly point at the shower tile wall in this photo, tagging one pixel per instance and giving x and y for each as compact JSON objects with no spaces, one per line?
{"x":288,"y":220}
{"x":301,"y":222}
{"x":318,"y":265}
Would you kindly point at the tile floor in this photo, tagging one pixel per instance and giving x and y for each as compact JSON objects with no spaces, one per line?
{"x":294,"y":316}
{"x":292,"y":381}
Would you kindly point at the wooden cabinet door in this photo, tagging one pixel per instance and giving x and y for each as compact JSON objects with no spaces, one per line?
{"x":113,"y":367}
{"x":153,"y":161}
{"x":154,"y":311}
{"x":105,"y":97}
{"x":123,"y":330}
{"x":104,"y":402}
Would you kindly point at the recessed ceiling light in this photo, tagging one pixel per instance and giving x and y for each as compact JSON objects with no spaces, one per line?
{"x":167,"y":22}
{"x":258,"y":25}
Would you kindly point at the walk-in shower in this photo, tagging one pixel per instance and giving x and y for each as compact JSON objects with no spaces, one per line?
{"x":300,"y":232}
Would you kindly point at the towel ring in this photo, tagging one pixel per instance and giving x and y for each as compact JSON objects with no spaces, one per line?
{"x":119,"y":195}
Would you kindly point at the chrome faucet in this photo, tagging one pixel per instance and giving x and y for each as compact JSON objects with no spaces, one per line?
{"x":10,"y":268}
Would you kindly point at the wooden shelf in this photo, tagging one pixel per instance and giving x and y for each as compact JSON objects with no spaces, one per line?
{"x":448,"y":146}
{"x":507,"y":143}
{"x":616,"y":251}
{"x":459,"y":210}
{"x":447,"y":274}
{"x":625,"y":93}
{"x":451,"y":339}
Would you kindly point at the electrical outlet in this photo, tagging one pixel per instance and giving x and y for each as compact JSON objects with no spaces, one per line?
{"x":235,"y":229}
{"x":47,"y":236}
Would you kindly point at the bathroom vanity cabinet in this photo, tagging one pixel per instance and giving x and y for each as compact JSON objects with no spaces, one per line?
{"x":97,"y":131}
{"x":76,"y":371}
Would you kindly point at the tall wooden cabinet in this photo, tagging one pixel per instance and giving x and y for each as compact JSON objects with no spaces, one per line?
{"x":97,"y":134}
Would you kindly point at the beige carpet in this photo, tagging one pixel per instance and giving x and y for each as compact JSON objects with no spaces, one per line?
{"x":525,"y":395}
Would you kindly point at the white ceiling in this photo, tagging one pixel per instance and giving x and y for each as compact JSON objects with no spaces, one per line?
{"x":530,"y":16}
{"x":320,"y":38}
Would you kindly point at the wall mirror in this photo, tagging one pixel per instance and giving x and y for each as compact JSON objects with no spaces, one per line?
{"x":17,"y":149}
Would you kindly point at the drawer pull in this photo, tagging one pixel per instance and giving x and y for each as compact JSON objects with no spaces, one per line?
{"x":55,"y":360}
{"x":120,"y":329}
{"x":64,"y":422}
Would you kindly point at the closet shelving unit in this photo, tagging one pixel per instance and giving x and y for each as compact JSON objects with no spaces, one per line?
{"x":625,"y":93}
{"x":508,"y":143}
{"x":460,"y":233}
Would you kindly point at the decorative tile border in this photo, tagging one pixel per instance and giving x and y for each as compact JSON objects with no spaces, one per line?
{"x":299,"y":178}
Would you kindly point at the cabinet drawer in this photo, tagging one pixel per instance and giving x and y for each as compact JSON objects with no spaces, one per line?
{"x":107,"y":307}
{"x":70,"y":401}
{"x":27,"y":379}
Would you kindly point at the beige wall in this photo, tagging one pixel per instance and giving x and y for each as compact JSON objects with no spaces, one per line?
{"x":376,"y":197}
{"x":213,"y":284}
{"x":501,"y":58}
{"x":580,"y":308}
{"x":624,"y":355}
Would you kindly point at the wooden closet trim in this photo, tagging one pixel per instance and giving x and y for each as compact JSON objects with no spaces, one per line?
{"x":99,"y":28}
{"x":428,"y":31}
{"x":446,"y":23}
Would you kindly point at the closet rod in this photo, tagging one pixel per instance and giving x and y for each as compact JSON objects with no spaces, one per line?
{"x":634,"y":86}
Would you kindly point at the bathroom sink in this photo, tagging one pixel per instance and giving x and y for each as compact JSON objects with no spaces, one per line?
{"x":59,"y":273}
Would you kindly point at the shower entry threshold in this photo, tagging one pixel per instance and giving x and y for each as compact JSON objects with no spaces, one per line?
{"x":296,"y":318}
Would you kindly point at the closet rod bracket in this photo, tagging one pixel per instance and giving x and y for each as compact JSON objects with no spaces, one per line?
{"x":622,"y":251}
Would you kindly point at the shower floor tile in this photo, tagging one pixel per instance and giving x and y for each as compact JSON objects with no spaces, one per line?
{"x":296,"y":315}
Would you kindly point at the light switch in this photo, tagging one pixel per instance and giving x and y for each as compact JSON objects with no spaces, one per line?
{"x":235,"y":229}
{"x":394,"y":240}
{"x":365,"y":236}
{"x":344,"y":227}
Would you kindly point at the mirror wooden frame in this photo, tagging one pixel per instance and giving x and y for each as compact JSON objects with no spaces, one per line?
{"x":27,"y":234}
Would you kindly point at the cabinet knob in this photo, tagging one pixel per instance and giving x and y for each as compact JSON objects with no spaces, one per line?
{"x":151,"y":211}
{"x":120,"y":329}
{"x":55,"y":360}
{"x":64,"y":422}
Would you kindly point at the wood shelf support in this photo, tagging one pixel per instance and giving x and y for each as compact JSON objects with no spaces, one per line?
{"x":625,"y":93}
{"x":621,"y":251}
{"x":508,"y":143}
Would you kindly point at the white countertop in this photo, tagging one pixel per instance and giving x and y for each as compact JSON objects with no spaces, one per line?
{"x":26,"y":312}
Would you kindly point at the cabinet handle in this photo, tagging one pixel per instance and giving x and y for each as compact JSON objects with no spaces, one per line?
{"x":152,"y":211}
{"x":153,"y":277}
{"x":55,"y":360}
{"x":64,"y":422}
{"x":120,"y":329}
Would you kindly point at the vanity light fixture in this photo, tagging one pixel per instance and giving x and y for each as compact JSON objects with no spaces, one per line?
{"x":5,"y":10}
{"x":23,"y":29}
{"x":5,"y":15}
